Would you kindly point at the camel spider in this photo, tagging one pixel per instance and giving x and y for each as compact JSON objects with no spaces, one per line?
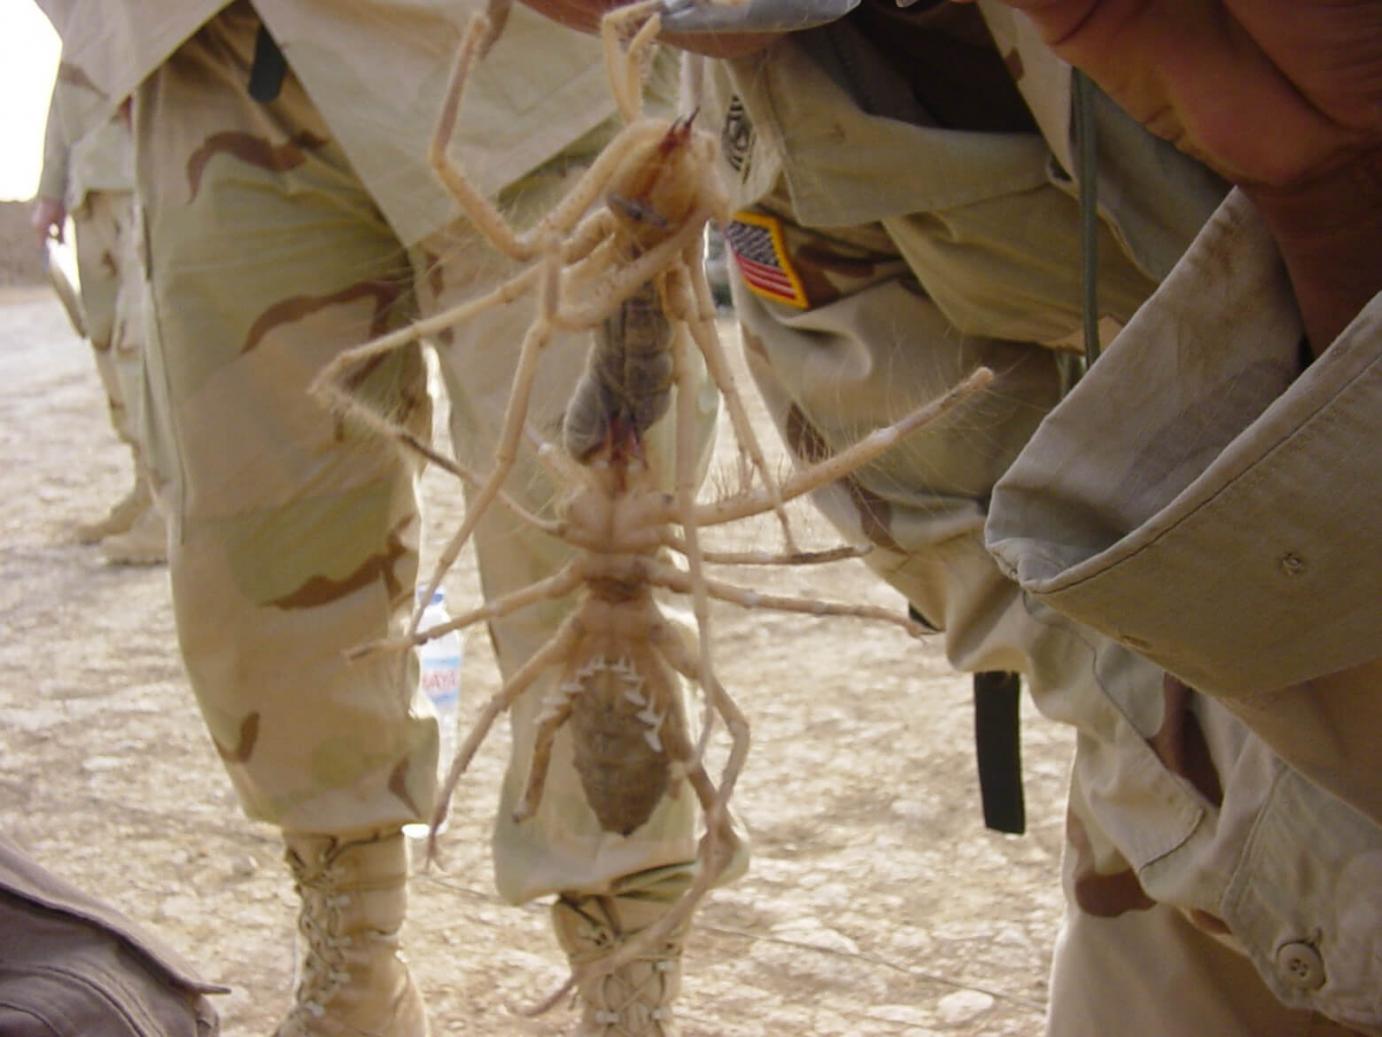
{"x":628,"y":234}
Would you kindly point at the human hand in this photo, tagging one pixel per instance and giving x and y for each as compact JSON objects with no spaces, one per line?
{"x":47,"y":219}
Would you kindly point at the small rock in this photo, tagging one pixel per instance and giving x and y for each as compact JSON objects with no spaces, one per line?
{"x":906,"y":1015}
{"x":963,"y":1005}
{"x":179,"y":908}
{"x":814,"y":933}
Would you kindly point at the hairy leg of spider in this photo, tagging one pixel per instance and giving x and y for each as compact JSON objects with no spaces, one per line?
{"x":563,"y":582}
{"x":554,"y":653}
{"x":833,"y":554}
{"x":327,"y":383}
{"x":686,"y":487}
{"x":623,"y":65}
{"x":606,"y":290}
{"x":472,"y":478}
{"x":701,"y":325}
{"x":479,"y":208}
{"x":515,"y":415}
{"x":552,"y":718}
{"x":701,"y":322}
{"x":382,"y":425}
{"x":676,"y":580}
{"x":680,"y":659}
{"x":855,"y":456}
{"x":558,"y":464}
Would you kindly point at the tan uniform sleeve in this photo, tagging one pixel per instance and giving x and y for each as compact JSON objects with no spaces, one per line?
{"x":52,"y":182}
{"x":1205,"y":502}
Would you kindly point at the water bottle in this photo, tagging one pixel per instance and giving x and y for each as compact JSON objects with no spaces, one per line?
{"x":439,"y":685}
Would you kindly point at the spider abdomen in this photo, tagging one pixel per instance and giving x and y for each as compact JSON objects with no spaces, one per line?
{"x":616,"y":728}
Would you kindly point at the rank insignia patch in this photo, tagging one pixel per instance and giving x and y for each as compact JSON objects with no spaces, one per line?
{"x":736,"y":137}
{"x":755,"y":239}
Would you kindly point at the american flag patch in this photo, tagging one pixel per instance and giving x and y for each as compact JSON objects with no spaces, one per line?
{"x":755,"y":238}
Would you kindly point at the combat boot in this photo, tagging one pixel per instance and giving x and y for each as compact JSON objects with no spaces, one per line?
{"x":636,"y":999}
{"x":351,"y":978}
{"x":144,"y":543}
{"x":121,"y":517}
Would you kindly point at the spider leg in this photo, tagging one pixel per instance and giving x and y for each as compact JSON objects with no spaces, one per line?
{"x":586,"y":191}
{"x":479,"y":209}
{"x":479,"y":34}
{"x":679,"y":658}
{"x":623,"y":64}
{"x":567,"y":579}
{"x":833,"y":554}
{"x":327,"y":386}
{"x":554,"y":653}
{"x":685,"y":496}
{"x":603,"y":290}
{"x":472,"y":478}
{"x":514,"y":416}
{"x":701,"y":321}
{"x":555,"y":714}
{"x":409,"y":439}
{"x":876,"y":443}
{"x":674,"y":579}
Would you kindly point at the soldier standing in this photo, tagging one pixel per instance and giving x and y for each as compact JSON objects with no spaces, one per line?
{"x":291,"y":214}
{"x":91,"y":177}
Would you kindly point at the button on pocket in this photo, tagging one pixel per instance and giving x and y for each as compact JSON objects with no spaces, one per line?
{"x":1300,"y":965}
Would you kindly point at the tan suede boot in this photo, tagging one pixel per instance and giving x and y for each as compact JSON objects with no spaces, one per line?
{"x":120,"y":518}
{"x":352,"y":979}
{"x":636,"y":999}
{"x":144,"y":543}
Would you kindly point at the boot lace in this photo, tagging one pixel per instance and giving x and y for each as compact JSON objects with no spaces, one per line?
{"x":322,"y":962}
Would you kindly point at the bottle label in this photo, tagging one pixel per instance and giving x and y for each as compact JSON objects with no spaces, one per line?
{"x":441,"y":680}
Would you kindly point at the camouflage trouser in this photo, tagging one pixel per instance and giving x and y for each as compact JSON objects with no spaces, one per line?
{"x":1167,"y":786}
{"x":112,"y":287}
{"x":296,"y":535}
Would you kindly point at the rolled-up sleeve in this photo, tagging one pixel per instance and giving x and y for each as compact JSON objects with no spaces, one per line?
{"x":1210,"y":505}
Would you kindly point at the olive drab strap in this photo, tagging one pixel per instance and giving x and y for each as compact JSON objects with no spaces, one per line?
{"x":1087,"y":158}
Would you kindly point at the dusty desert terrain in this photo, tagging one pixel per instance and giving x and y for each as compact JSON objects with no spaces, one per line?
{"x":876,"y":904}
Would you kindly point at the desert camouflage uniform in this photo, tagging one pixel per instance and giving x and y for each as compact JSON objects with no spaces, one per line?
{"x":886,"y":249}
{"x":92,"y":173}
{"x":281,"y":233}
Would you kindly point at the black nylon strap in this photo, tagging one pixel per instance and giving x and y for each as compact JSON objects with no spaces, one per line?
{"x":997,"y":744}
{"x":269,"y":68}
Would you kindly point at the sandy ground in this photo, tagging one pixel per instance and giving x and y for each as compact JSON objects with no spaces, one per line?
{"x":877,"y":904}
